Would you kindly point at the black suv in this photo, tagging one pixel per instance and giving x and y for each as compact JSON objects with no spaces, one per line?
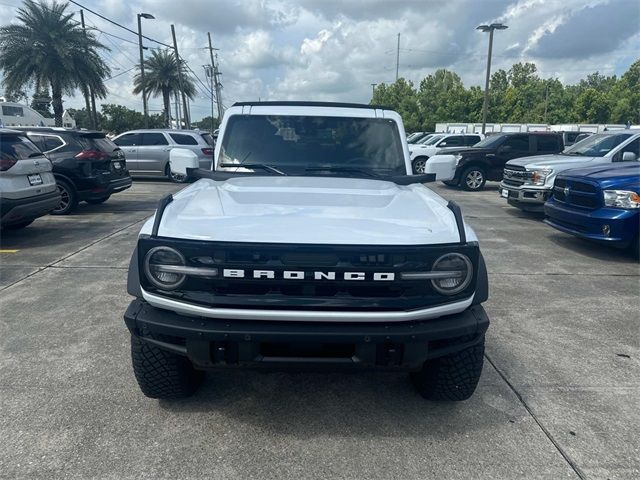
{"x":86,"y":164}
{"x":486,"y":159}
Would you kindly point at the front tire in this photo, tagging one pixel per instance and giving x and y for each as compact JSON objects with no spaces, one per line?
{"x":452,"y":377}
{"x":419,"y":165}
{"x":68,"y":198}
{"x":473,"y":179}
{"x":162,"y":374}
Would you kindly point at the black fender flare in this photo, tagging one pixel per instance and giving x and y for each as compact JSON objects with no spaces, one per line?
{"x":133,"y":276}
{"x":482,"y":282}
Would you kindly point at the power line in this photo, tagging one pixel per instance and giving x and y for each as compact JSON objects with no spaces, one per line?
{"x":119,"y":25}
{"x":121,"y":73}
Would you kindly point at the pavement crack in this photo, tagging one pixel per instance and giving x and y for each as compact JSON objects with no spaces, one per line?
{"x":558,"y":447}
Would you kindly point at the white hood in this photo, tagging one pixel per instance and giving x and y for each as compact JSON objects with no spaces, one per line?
{"x":312,"y":210}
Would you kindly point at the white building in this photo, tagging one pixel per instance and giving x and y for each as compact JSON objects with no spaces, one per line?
{"x":17,"y":115}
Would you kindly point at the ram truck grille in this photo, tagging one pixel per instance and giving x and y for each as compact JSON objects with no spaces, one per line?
{"x":318,"y":289}
{"x":577,"y":193}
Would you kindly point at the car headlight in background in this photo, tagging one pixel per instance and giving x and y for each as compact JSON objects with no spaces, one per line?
{"x":539,"y":176}
{"x":456,"y":270}
{"x":621,"y":199}
{"x":162,"y":267}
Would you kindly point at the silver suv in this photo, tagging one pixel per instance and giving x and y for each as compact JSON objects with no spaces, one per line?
{"x":27,"y":186}
{"x":147,"y":151}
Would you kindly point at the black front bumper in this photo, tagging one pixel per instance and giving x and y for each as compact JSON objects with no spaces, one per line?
{"x":211,"y":343}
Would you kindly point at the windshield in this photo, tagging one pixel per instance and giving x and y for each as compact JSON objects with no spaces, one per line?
{"x":490,"y":142}
{"x":425,"y":138}
{"x":597,"y":145}
{"x":294,"y":143}
{"x":431,"y":140}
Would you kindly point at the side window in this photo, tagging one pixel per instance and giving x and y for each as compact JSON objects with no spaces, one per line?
{"x":633,"y":147}
{"x":571,"y":136}
{"x":518,"y":143}
{"x":38,"y":140}
{"x":182,"y":139}
{"x":128,"y":140}
{"x":471,"y":139}
{"x":451,"y":142}
{"x":49,"y":143}
{"x":153,"y":139}
{"x":548,"y":143}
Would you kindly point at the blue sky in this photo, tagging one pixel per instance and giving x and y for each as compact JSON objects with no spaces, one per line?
{"x":334,"y":50}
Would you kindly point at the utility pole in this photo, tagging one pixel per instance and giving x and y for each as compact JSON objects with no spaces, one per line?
{"x":208,"y":70}
{"x":398,"y":58}
{"x":187,"y":121}
{"x":485,"y":105}
{"x":546,"y":100}
{"x":144,"y":90}
{"x":215,"y":78}
{"x":91,"y":109}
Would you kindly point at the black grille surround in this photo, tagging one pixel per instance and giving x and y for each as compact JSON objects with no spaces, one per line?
{"x":309,"y":293}
{"x":581,"y":193}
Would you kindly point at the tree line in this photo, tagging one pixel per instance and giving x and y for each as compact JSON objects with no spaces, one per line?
{"x":49,"y":52}
{"x":517,"y":95}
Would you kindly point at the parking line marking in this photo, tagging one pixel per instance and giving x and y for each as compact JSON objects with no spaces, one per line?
{"x":9,"y":251}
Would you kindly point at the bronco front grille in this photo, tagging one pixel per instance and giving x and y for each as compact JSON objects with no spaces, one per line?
{"x":577,"y":193}
{"x":309,"y":292}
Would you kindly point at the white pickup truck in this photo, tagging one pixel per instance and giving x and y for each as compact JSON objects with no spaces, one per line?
{"x":309,"y":245}
{"x":528,"y":182}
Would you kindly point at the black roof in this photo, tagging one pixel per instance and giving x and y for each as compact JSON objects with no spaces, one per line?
{"x":288,"y":103}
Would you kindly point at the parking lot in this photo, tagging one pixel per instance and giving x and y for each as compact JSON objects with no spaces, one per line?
{"x":559,"y":396}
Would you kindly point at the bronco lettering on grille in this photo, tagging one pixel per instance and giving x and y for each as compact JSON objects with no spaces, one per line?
{"x":302,"y":275}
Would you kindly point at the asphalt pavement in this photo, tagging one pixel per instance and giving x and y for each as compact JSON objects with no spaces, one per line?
{"x":559,"y":395}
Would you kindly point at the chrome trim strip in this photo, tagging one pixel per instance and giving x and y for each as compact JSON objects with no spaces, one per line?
{"x":430,"y":275}
{"x":305,"y":315}
{"x":191,"y":271}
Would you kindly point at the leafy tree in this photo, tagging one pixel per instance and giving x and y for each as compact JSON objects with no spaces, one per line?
{"x":41,"y":101}
{"x":205,"y":123}
{"x":592,"y":106}
{"x":117,"y":119}
{"x":161,"y":79}
{"x":46,"y":46}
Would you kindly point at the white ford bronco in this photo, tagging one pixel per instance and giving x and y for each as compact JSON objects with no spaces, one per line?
{"x":310,"y":244}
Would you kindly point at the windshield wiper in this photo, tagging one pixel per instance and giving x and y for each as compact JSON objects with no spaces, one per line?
{"x":35,"y":154}
{"x":251,"y":166}
{"x":575,"y":153}
{"x":339,"y":169}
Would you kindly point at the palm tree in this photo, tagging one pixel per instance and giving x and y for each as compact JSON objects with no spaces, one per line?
{"x":161,"y":78}
{"x":46,"y":46}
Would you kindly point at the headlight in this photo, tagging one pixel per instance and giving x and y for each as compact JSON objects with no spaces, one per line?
{"x":459,"y":270}
{"x":160,"y":267}
{"x":621,"y":199}
{"x":457,"y":158}
{"x":539,"y":176}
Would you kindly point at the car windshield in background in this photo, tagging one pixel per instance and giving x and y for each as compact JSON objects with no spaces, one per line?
{"x":294,"y":144}
{"x":425,"y":139}
{"x":209,"y":139}
{"x":17,"y":148}
{"x":101,"y":144}
{"x":597,"y":145}
{"x":432,"y":140}
{"x":490,"y":142}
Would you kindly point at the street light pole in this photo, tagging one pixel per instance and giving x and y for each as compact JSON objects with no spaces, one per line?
{"x":144,"y":90}
{"x":485,"y":105}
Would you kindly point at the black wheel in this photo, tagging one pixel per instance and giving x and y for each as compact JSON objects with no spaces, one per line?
{"x":452,"y":377}
{"x":98,"y":201}
{"x":175,"y":177}
{"x":473,"y":179}
{"x":68,"y":198}
{"x":161,"y":374}
{"x":18,"y":226}
{"x":419,"y":165}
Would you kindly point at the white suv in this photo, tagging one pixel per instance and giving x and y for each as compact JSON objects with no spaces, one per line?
{"x":27,"y":186}
{"x":420,"y":152}
{"x":147,"y":151}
